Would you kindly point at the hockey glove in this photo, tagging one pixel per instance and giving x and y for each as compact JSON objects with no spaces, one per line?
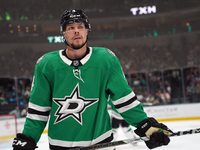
{"x":157,"y":132}
{"x":22,"y":142}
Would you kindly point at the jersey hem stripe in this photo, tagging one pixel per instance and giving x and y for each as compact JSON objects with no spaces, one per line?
{"x":79,"y":143}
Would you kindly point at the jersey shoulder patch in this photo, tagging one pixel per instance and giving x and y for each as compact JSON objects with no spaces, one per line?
{"x":39,"y":60}
{"x":110,"y":52}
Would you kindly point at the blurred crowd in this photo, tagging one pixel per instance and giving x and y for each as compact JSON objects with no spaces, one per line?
{"x":147,"y":58}
{"x":193,"y":84}
{"x":143,"y":58}
{"x":14,"y":97}
{"x":18,"y":62}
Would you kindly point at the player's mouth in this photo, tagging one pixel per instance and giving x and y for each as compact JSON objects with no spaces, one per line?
{"x":77,"y":38}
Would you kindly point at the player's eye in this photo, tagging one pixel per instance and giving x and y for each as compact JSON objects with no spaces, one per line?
{"x":70,"y":28}
{"x":80,"y":27}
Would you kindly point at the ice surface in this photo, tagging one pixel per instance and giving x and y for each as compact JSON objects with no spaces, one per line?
{"x":185,"y":142}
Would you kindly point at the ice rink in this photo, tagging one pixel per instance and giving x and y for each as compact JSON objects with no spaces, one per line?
{"x":185,"y":142}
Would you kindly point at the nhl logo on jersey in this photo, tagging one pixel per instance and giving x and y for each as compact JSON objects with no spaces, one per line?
{"x":72,"y":106}
{"x":75,"y":63}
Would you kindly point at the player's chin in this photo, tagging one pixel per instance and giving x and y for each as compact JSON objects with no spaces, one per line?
{"x":78,"y":46}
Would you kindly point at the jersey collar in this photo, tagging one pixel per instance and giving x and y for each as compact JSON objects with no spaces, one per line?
{"x":72,"y":62}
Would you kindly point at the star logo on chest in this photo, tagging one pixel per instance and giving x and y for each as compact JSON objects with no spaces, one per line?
{"x":72,"y":106}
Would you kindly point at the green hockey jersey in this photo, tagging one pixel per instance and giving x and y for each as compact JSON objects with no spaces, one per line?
{"x":71,"y":95}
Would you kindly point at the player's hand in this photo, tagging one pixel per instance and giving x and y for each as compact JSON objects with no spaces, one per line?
{"x":22,"y":142}
{"x":157,"y":132}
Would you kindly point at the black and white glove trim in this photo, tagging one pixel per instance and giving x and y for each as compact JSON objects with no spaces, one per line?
{"x":22,"y":142}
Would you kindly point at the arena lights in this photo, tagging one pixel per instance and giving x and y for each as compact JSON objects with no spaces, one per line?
{"x":34,"y":27}
{"x":7,"y":16}
{"x":18,"y":28}
{"x":143,"y":10}
{"x":27,"y":29}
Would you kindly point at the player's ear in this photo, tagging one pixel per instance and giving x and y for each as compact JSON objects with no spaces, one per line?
{"x":63,"y":33}
{"x":86,"y":32}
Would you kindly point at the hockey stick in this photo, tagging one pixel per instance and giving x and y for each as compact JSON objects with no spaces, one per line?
{"x":134,"y":140}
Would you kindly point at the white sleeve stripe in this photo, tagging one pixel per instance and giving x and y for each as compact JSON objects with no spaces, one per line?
{"x":38,"y":108}
{"x":125,"y":108}
{"x":124,"y":99}
{"x":37,"y":117}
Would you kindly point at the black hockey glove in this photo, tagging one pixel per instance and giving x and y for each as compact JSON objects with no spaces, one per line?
{"x":157,"y":132}
{"x":22,"y":142}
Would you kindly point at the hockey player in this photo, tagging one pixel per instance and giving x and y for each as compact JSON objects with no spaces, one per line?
{"x":70,"y":90}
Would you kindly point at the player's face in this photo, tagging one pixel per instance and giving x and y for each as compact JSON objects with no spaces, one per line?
{"x":76,"y":34}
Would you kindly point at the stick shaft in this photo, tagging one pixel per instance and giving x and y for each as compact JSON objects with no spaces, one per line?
{"x":191,"y":131}
{"x":134,"y":140}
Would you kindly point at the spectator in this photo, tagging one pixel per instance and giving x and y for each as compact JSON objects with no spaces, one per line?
{"x":140,"y":90}
{"x":191,"y":88}
{"x":167,"y":87}
{"x":198,"y":87}
{"x":26,"y":94}
{"x":15,"y":112}
{"x":24,"y":112}
{"x":151,"y":99}
{"x":13,"y":99}
{"x":142,"y":81}
{"x":140,"y":93}
{"x":167,"y":97}
{"x":145,"y":99}
{"x":3,"y":100}
{"x":159,"y":98}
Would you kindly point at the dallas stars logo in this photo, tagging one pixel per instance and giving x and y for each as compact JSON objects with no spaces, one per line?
{"x":72,"y":106}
